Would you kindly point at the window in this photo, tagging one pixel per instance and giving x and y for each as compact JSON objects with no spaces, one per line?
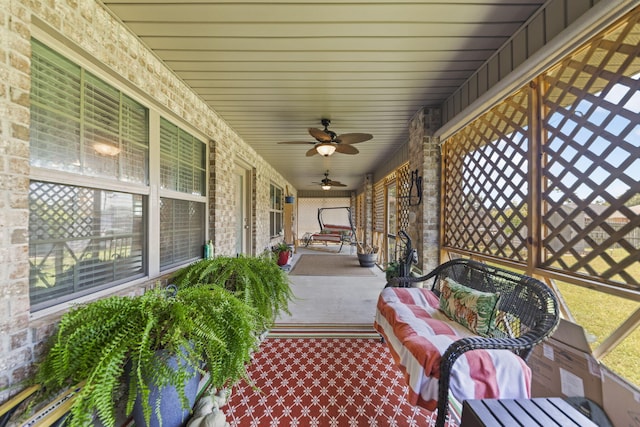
{"x":275,"y":211}
{"x":84,"y":237}
{"x":82,"y":125}
{"x":181,"y":231}
{"x":182,"y":160}
{"x":182,"y":219}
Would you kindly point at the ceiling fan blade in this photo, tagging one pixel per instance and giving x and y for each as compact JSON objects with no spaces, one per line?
{"x":336,"y":184}
{"x":311,"y":152}
{"x":320,"y":135}
{"x":353,"y":138}
{"x":346,"y":149}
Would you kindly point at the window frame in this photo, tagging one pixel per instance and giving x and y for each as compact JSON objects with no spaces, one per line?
{"x":151,"y":191}
{"x":276,"y":210}
{"x":180,"y":196}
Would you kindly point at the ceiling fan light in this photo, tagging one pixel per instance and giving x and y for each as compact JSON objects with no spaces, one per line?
{"x":326,"y":187}
{"x":325,"y":149}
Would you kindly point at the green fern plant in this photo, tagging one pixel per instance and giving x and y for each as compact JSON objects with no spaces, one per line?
{"x":258,"y":281}
{"x":210,"y":329}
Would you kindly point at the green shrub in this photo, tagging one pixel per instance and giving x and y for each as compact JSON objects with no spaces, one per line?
{"x":210,"y":329}
{"x":258,"y":281}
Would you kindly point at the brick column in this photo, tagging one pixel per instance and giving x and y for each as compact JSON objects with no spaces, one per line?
{"x":432,"y":177}
{"x":424,"y":153}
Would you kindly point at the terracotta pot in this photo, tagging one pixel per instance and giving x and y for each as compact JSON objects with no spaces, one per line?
{"x":283,"y":258}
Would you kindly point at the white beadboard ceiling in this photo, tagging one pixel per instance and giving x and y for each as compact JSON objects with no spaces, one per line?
{"x":271,"y":70}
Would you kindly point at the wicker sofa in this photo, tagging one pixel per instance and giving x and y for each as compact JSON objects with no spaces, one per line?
{"x":491,"y":350}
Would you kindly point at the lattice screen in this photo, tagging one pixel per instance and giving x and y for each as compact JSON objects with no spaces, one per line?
{"x":378,"y":207}
{"x":592,"y":152}
{"x":360,"y":211}
{"x":485,"y":176}
{"x":403,"y":185}
{"x":589,"y":209}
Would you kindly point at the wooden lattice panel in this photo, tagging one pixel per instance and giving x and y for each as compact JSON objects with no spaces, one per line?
{"x":403,"y":185}
{"x":378,"y":207}
{"x":485,"y":183}
{"x":360,"y":211}
{"x":592,"y":159}
{"x":391,"y":204}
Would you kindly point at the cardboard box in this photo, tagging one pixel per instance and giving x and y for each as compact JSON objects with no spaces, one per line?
{"x":563,"y":366}
{"x":621,"y":400}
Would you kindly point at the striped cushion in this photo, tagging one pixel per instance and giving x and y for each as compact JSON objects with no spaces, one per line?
{"x":418,"y":333}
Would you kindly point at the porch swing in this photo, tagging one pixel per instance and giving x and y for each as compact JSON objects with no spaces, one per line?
{"x":333,"y":232}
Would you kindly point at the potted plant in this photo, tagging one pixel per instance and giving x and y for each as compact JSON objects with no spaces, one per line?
{"x":282,"y":252}
{"x":137,"y":340}
{"x":257,"y":281}
{"x":367,"y":255}
{"x":392,"y":270}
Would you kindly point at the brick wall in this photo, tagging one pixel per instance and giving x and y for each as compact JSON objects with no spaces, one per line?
{"x":94,"y":33}
{"x":15,"y":345}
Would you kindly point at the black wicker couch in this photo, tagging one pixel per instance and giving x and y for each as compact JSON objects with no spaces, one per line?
{"x":529,"y":306}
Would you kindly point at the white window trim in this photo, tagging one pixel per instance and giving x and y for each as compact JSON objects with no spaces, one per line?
{"x":45,"y":34}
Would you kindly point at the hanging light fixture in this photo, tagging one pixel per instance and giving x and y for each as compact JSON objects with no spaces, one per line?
{"x":326,"y":187}
{"x":325,"y":149}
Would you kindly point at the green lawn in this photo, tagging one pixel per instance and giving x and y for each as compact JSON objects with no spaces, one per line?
{"x":599,"y":314}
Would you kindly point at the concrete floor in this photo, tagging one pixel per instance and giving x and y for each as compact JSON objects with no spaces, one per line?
{"x":333,"y":299}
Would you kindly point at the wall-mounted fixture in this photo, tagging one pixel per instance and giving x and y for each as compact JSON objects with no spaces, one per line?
{"x":416,"y":182}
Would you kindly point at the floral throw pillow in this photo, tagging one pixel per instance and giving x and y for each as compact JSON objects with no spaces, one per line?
{"x":473,"y":309}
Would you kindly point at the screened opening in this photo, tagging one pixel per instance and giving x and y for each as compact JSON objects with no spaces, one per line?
{"x":549,"y":181}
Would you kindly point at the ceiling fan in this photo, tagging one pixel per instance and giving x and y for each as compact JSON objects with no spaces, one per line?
{"x":328,"y":142}
{"x":326,"y":183}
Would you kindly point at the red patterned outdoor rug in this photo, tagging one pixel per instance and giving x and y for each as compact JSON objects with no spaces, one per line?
{"x":324,"y":382}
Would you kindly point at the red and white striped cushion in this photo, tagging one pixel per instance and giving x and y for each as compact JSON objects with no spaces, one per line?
{"x":417,"y":334}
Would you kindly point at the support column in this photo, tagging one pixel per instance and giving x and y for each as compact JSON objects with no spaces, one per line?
{"x":424,"y":219}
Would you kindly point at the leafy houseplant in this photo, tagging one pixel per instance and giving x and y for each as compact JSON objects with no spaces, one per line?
{"x":257,"y":281}
{"x":282,"y":252}
{"x":208,"y":329}
{"x":392,"y":270}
